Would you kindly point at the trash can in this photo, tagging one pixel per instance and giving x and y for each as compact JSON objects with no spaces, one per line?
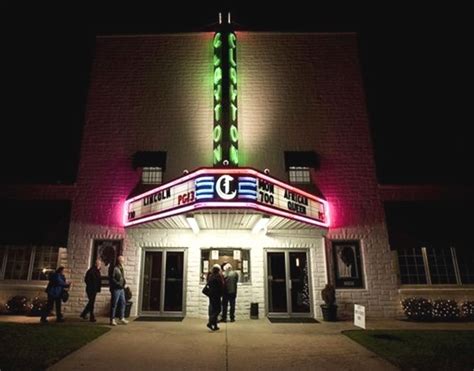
{"x":254,"y":310}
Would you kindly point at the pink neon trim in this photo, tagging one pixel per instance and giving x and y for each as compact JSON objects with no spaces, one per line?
{"x":230,"y":205}
{"x":161,"y":215}
{"x":242,"y":171}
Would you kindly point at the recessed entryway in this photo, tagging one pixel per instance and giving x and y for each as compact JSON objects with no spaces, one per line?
{"x":163,"y":282}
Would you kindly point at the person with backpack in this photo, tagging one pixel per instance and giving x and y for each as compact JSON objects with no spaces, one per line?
{"x":55,"y":290}
{"x":93,"y":283}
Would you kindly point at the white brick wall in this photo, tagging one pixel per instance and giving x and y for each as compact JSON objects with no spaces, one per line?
{"x":296,"y":92}
{"x":197,"y":303}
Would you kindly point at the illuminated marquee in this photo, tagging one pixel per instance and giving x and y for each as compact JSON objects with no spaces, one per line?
{"x":227,"y":188}
{"x":225,"y":132}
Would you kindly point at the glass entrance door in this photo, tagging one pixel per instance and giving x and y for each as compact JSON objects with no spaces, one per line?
{"x":163,"y":279}
{"x":288,"y":284}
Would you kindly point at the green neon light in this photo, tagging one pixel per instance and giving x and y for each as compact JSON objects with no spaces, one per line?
{"x":217,"y":40}
{"x":218,"y":93}
{"x":233,"y":75}
{"x":233,"y":93}
{"x":232,"y":40}
{"x":217,"y":75}
{"x":234,"y":133}
{"x":232,"y":61}
{"x":225,"y":132}
{"x":217,"y":133}
{"x":218,"y":112}
{"x":234,"y":155}
{"x":217,"y":154}
{"x":233,"y":112}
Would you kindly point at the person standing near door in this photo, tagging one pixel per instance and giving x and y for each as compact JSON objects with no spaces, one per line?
{"x":93,"y":284}
{"x":231,"y":278}
{"x":117,"y":289}
{"x":216,"y":289}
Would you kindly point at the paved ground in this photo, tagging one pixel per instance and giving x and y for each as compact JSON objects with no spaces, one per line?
{"x":243,"y":345}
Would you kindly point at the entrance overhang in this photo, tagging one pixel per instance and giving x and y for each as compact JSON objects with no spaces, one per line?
{"x":243,"y":195}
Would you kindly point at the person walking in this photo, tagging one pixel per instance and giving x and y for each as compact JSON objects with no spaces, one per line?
{"x":216,"y":289}
{"x":231,"y":278}
{"x":56,"y":285}
{"x":117,"y":289}
{"x":93,"y":284}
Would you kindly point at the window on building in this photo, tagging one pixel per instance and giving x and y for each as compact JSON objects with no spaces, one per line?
{"x":27,"y":262}
{"x":152,"y":165}
{"x":45,"y":261}
{"x":432,"y":239}
{"x":238,"y":258}
{"x":412,"y":267}
{"x":299,"y":175}
{"x":440,"y":262}
{"x":18,"y":263}
{"x":465,"y":260}
{"x":299,"y":165}
{"x":152,"y":175}
{"x":436,"y":266}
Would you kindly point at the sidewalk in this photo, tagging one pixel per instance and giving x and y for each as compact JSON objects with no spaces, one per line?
{"x":243,"y":345}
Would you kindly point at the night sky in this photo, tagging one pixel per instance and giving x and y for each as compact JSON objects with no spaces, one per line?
{"x":415,"y":62}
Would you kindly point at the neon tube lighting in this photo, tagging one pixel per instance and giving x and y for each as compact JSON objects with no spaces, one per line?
{"x":216,"y":171}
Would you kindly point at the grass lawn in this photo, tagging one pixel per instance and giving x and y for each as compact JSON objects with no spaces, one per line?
{"x":420,"y":350}
{"x":36,"y":346}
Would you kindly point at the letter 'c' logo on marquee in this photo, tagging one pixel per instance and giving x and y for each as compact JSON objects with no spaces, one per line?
{"x":223,"y":187}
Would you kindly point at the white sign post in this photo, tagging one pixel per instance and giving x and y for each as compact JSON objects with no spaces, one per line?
{"x":359,"y":316}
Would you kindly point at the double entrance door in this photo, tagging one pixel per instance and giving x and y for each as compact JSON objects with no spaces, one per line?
{"x":288,"y":284}
{"x":162,"y":282}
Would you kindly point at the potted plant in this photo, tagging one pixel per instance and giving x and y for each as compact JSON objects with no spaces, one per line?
{"x":329,"y":308}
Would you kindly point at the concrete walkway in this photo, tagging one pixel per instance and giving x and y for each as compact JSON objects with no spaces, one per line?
{"x":243,"y":345}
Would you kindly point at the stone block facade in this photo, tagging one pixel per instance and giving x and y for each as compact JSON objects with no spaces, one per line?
{"x":296,"y":92}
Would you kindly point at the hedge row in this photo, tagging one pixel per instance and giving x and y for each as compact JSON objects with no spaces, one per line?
{"x":421,"y":309}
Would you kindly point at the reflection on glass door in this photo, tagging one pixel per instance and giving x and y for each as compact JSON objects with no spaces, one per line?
{"x":152,"y":281}
{"x":163,"y":279}
{"x":299,"y":286}
{"x":174,"y":282}
{"x":277,"y":282}
{"x":288,"y":283}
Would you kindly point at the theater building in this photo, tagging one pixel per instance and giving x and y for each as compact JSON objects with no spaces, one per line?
{"x":200,"y":148}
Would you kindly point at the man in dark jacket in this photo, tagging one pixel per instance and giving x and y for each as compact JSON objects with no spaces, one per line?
{"x":93,"y":283}
{"x":215,"y":281}
{"x":117,"y":286}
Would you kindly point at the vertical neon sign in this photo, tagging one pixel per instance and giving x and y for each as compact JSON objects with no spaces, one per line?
{"x":225,"y":133}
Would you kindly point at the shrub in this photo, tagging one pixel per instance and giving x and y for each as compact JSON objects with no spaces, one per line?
{"x":418,"y":309}
{"x":17,"y":305}
{"x":328,"y":294}
{"x":467,"y":310}
{"x":37,"y":306}
{"x":445,"y":310}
